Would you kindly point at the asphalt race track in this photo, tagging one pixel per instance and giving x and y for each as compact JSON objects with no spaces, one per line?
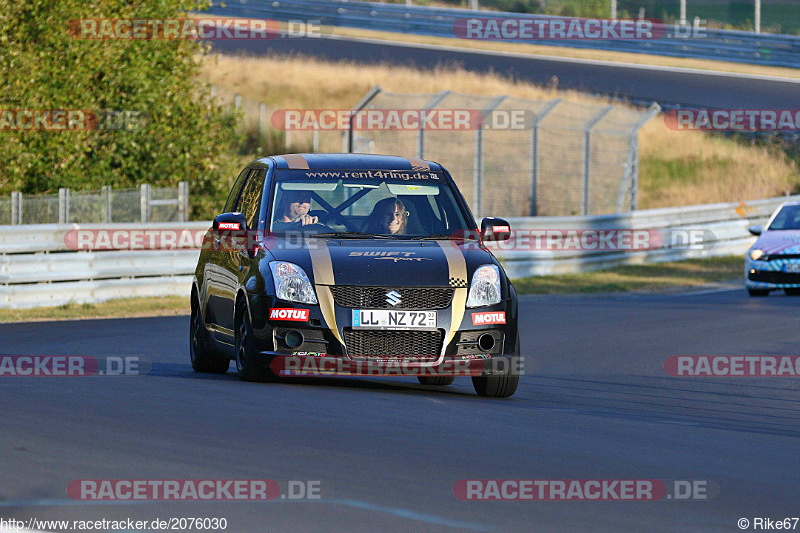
{"x":638,"y":83}
{"x":594,"y":403}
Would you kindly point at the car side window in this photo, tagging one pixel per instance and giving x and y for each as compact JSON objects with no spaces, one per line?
{"x":235,"y":190}
{"x":250,"y":199}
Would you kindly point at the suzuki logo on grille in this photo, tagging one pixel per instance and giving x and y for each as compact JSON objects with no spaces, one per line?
{"x":393,"y":298}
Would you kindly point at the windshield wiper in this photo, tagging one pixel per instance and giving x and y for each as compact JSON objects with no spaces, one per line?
{"x":350,"y":235}
{"x":443,"y":237}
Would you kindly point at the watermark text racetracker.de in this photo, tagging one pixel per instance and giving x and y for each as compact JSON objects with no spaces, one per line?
{"x":405,"y":119}
{"x":70,"y":366}
{"x":733,"y":366}
{"x":60,"y":120}
{"x":595,"y":240}
{"x":745,"y":120}
{"x":583,"y":490}
{"x":192,"y":29}
{"x":193,"y":489}
{"x":571,"y":29}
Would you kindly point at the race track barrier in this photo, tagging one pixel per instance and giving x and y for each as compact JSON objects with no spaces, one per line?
{"x":683,"y":41}
{"x":37,"y":267}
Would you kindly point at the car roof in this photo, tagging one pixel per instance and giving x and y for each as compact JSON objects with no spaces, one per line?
{"x":351,"y":162}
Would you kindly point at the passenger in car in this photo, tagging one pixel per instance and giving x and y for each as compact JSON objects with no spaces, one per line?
{"x":389,"y":216}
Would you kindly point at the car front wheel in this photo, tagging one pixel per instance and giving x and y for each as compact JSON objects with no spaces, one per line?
{"x":248,"y":365}
{"x":758,"y":292}
{"x":501,"y":385}
{"x":203,"y":360}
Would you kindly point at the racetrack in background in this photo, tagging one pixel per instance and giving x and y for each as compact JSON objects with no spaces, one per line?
{"x":639,"y":84}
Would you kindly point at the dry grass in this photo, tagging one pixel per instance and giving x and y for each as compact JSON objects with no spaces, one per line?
{"x":684,"y":168}
{"x":676,"y":167}
{"x":126,"y":307}
{"x":692,"y":273}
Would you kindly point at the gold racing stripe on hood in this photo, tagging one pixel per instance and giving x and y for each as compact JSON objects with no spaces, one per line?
{"x":457,"y":268}
{"x":323,"y":277}
{"x":296,"y":161}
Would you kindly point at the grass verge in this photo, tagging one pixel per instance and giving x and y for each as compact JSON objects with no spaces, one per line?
{"x":676,"y":167}
{"x":122,"y":308}
{"x":638,"y":278}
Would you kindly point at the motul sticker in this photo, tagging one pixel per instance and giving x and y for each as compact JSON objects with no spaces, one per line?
{"x":229,"y":225}
{"x":493,"y":317}
{"x":298,"y":315}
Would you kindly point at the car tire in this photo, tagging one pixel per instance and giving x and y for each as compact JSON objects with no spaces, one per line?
{"x":758,"y":292}
{"x":792,"y":292}
{"x":248,"y":365}
{"x":439,"y":381}
{"x":203,"y":360}
{"x":500,"y":385}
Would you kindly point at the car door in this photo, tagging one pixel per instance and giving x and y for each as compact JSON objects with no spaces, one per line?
{"x":235,"y":260}
{"x":219,"y":307}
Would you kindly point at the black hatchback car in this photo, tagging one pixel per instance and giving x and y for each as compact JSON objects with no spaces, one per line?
{"x":331,"y":264}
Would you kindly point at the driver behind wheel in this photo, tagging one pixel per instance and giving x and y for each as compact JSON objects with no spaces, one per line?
{"x":296,"y":205}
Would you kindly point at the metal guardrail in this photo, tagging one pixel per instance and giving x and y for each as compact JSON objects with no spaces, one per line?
{"x":726,"y":222}
{"x":726,"y":45}
{"x":36,"y":268}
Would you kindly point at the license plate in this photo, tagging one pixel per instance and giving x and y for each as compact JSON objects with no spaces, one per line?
{"x":792,"y":267}
{"x":386,"y":319}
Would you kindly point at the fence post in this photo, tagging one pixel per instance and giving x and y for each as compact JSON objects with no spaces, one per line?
{"x":106,"y":194}
{"x":183,"y":201}
{"x":549,"y":106}
{"x":432,"y":103}
{"x":237,"y":100}
{"x":359,"y":106}
{"x":16,"y":208}
{"x":262,"y":120}
{"x":477,"y":177}
{"x":144,"y":202}
{"x":587,"y":153}
{"x":757,"y":20}
{"x":631,"y":173}
{"x":63,"y":205}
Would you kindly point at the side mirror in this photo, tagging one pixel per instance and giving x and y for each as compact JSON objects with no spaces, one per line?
{"x":495,"y":230}
{"x":230,"y":222}
{"x":755,"y":230}
{"x":232,"y":228}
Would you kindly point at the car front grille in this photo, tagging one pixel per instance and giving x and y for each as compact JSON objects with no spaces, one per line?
{"x":774,"y":276}
{"x":391,"y":343}
{"x":375,"y":297}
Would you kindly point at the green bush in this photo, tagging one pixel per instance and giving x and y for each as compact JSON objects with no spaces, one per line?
{"x":43,"y":66}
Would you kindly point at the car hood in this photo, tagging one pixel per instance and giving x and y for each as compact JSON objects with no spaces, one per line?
{"x":383,"y":262}
{"x":779,"y":242}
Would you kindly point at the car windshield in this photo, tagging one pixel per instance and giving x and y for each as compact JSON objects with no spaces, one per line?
{"x":366,"y":203}
{"x":787,"y":218}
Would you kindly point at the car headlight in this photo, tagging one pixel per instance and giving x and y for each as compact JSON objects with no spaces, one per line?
{"x":485,"y":288}
{"x":756,"y":254}
{"x":291,"y":283}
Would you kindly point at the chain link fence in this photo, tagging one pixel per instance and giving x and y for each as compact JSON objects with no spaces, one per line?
{"x":144,"y":205}
{"x":565,"y":158}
